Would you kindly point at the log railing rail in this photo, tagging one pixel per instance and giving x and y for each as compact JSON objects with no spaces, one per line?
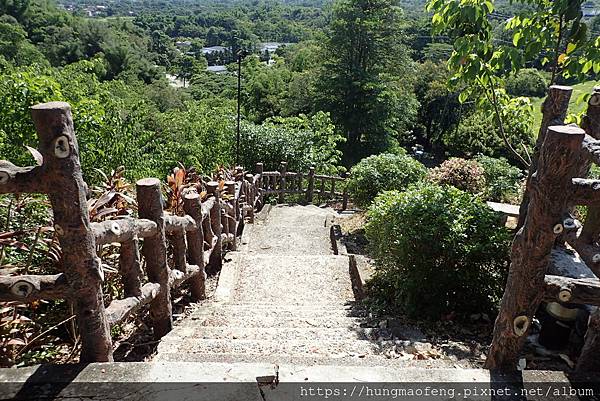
{"x":310,"y":185}
{"x":555,"y":258}
{"x":197,"y":238}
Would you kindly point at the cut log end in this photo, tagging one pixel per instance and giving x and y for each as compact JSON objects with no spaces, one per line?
{"x":561,"y":88}
{"x":565,"y":295}
{"x":558,"y":228}
{"x":571,"y":130}
{"x":520,"y":325}
{"x":51,"y":106}
{"x":211,"y":187}
{"x":191,"y":195}
{"x":148,"y":182}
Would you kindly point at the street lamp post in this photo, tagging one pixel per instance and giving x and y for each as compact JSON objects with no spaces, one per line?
{"x":240,"y":54}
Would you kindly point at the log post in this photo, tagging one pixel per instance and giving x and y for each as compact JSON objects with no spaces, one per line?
{"x":533,"y":244}
{"x":154,"y":249}
{"x":130,"y":268}
{"x":554,"y":111}
{"x":239,"y":173}
{"x":260,"y":183}
{"x":311,"y":185}
{"x":195,"y":240}
{"x":591,"y":126}
{"x":67,"y":194}
{"x":231,"y":221}
{"x":300,"y":182}
{"x":588,"y":360}
{"x":259,"y":168}
{"x":283,"y":172}
{"x":345,"y":193}
{"x":179,"y":250}
{"x":251,"y":196}
{"x":215,"y":262}
{"x":208,"y":233}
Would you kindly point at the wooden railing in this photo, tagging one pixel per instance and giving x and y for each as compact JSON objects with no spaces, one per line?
{"x":555,"y":258}
{"x":310,"y":185}
{"x":197,"y":238}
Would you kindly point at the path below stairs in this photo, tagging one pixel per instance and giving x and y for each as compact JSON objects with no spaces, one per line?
{"x":283,"y":298}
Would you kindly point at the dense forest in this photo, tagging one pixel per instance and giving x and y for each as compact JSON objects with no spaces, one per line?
{"x":367,"y":88}
{"x":380,"y":87}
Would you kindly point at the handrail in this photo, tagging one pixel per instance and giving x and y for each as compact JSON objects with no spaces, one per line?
{"x":285,"y":182}
{"x":198,"y":238}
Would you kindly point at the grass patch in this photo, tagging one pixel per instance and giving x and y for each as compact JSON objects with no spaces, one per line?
{"x":574,"y":108}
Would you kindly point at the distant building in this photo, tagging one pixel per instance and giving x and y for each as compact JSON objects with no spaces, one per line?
{"x":217,"y":69}
{"x":213,"y":49}
{"x":271,"y":47}
{"x":183,"y":43}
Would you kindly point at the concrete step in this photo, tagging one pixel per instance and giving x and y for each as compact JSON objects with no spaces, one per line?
{"x":292,"y":230}
{"x":220,"y":380}
{"x":319,"y":348}
{"x":347,"y":305}
{"x":361,"y":359}
{"x":283,"y":311}
{"x":317,"y":241}
{"x":272,"y":321}
{"x":293,"y":278}
{"x":275,"y":334}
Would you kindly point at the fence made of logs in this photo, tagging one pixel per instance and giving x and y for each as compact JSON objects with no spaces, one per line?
{"x":197,"y":239}
{"x":309,"y":186}
{"x":555,"y":258}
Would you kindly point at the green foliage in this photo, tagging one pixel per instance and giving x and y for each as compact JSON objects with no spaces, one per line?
{"x":265,"y":88}
{"x":554,"y":27}
{"x":477,"y":132}
{"x":116,"y":124}
{"x":383,"y":172}
{"x":479,"y":63}
{"x":466,"y":175}
{"x":439,"y":111}
{"x":19,"y":90}
{"x":301,"y":141}
{"x":202,"y":136}
{"x":366,"y":80}
{"x":502,"y":179}
{"x":15,"y":47}
{"x":527,"y":82}
{"x":439,"y":250}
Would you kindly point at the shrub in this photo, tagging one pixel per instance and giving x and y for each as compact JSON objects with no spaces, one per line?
{"x":527,"y":82}
{"x":463,"y":174}
{"x":301,"y":141}
{"x":438,"y":250}
{"x":501,"y":178}
{"x":383,"y":172}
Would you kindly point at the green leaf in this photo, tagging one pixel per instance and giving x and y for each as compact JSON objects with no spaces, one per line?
{"x":571,"y":48}
{"x":464,"y":95}
{"x":516,"y":38}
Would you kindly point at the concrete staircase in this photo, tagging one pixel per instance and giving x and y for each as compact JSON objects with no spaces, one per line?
{"x":283,"y":317}
{"x":287,"y":299}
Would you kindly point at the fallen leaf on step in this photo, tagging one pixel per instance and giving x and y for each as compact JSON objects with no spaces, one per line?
{"x":567,"y":360}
